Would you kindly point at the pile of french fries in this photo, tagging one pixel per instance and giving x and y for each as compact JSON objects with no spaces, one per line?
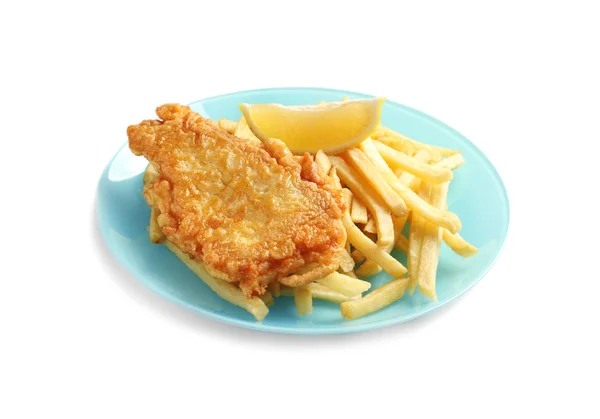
{"x":387,"y":181}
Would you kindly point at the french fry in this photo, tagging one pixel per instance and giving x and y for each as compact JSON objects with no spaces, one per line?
{"x":459,"y":245}
{"x":370,"y":267}
{"x":361,"y":163}
{"x":415,"y":240}
{"x":375,"y":300}
{"x":370,"y":227}
{"x":320,"y":292}
{"x":242,"y":130}
{"x":371,"y":236}
{"x":323,"y":161}
{"x":422,"y":208}
{"x":346,"y":198}
{"x":351,"y":274}
{"x":452,"y":162}
{"x":402,"y":244}
{"x":371,"y":250}
{"x":357,"y":256}
{"x":383,"y":133}
{"x":430,"y":249}
{"x":430,"y":254}
{"x":154,"y":230}
{"x":336,"y":179}
{"x":390,"y":176}
{"x":399,"y":223}
{"x":409,"y":164}
{"x":274,"y":288}
{"x":346,"y":263}
{"x":228,"y":125}
{"x":344,"y":284}
{"x":267,"y":298}
{"x":347,"y":249}
{"x":358,"y":213}
{"x":401,"y":241}
{"x":228,"y":292}
{"x":404,"y":146}
{"x":383,"y":218}
{"x":410,"y":180}
{"x":377,"y":208}
{"x":371,"y":152}
{"x":444,"y":218}
{"x":303,"y":300}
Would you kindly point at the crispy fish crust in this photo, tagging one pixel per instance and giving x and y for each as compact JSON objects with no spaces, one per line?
{"x":251,"y":212}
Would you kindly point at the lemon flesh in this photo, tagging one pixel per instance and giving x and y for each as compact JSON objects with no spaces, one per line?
{"x":331,"y":127}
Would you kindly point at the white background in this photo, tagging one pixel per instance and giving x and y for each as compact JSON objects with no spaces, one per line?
{"x":81,"y":338}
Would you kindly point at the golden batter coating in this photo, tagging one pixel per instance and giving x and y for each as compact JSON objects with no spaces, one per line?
{"x":252,"y":213}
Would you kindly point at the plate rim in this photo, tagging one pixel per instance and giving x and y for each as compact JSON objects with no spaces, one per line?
{"x":344,"y":326}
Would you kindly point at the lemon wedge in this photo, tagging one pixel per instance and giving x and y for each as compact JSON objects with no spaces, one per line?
{"x":331,"y":127}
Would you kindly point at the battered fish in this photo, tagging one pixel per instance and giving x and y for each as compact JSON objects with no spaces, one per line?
{"x":253,"y":213}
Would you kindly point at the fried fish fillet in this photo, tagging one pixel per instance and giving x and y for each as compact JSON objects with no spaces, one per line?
{"x":253,"y":213}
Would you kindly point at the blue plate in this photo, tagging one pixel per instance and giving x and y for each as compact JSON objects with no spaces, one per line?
{"x":477,"y":195}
